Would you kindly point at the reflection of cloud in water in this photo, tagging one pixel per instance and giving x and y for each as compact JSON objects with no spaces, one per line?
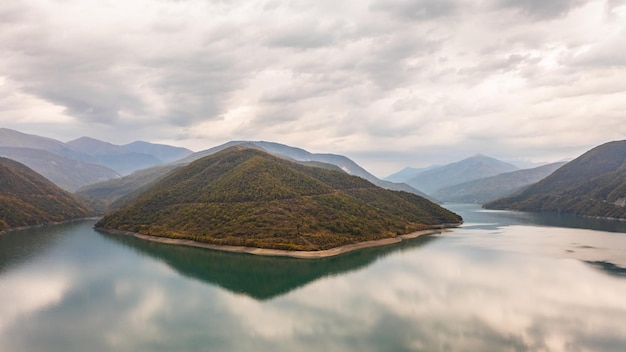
{"x":471,"y":289}
{"x":581,"y":244}
{"x":25,"y":294}
{"x":436,"y":300}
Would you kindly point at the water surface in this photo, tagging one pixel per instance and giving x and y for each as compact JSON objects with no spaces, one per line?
{"x":503,"y":282}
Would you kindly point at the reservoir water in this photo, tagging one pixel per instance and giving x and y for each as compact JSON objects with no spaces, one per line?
{"x":504,"y":281}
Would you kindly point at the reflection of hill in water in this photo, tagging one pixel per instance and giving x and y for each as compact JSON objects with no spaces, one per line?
{"x":19,"y":246}
{"x":608,"y":268}
{"x":260,"y":277}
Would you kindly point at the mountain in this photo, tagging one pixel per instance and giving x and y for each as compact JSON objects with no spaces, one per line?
{"x":165,"y":153}
{"x":85,"y":160}
{"x":408,"y":173}
{"x":128,"y":158}
{"x":494,"y":187}
{"x":298,"y":154}
{"x":247,"y":197}
{"x":113,"y":156}
{"x":15,"y":139}
{"x":594,"y":184}
{"x":27,"y":198}
{"x":115,"y":192}
{"x":473,"y":168}
{"x":65,"y":173}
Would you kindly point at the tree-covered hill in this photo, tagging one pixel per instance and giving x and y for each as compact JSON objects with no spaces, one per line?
{"x":247,"y":197}
{"x":593,"y":184}
{"x":27,"y":198}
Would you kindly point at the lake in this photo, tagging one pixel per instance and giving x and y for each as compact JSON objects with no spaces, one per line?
{"x":504,"y":281}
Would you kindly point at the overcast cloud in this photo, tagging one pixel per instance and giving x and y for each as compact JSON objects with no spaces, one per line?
{"x":389,"y":83}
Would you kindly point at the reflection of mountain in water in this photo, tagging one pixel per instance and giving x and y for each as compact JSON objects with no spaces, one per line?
{"x":260,"y":277}
{"x":19,"y":246}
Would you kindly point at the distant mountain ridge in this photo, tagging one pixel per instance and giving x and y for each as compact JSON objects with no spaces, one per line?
{"x":406,"y":174}
{"x":113,"y":156}
{"x":66,"y":173}
{"x":85,"y":160}
{"x":494,"y":187}
{"x":472,"y":168}
{"x":246,"y":197}
{"x":594,"y":184}
{"x":27,"y":198}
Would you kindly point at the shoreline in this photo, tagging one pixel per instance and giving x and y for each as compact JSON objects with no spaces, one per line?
{"x":18,"y":228}
{"x":325,"y":253}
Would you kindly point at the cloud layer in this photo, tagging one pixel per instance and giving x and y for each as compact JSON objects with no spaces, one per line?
{"x":389,"y":83}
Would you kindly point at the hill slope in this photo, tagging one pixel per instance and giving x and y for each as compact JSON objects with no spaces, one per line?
{"x":473,"y":168}
{"x":243,"y":196}
{"x":494,"y":187}
{"x":593,"y":184}
{"x":27,"y":198}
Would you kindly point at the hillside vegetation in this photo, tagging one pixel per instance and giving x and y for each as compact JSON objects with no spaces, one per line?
{"x":27,"y":198}
{"x":593,"y":184}
{"x":246,"y":197}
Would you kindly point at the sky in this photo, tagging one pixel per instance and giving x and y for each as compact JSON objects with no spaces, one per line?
{"x":388,"y":83}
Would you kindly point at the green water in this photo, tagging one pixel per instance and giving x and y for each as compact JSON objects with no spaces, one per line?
{"x":503,"y":282}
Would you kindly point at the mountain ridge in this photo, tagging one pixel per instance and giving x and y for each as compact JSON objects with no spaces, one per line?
{"x":83,"y":161}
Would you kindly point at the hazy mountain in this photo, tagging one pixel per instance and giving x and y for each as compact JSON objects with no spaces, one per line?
{"x":593,"y":184}
{"x":165,"y":153}
{"x":65,"y":173}
{"x":85,"y":160}
{"x":15,"y":139}
{"x":27,"y":198}
{"x":494,"y":187}
{"x":405,"y":174}
{"x":473,"y":168}
{"x":243,"y":196}
{"x":408,"y":173}
{"x":298,"y":154}
{"x":111,"y":191}
{"x":113,"y":156}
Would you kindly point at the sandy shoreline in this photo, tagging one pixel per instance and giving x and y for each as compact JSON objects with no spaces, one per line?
{"x":286,"y":253}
